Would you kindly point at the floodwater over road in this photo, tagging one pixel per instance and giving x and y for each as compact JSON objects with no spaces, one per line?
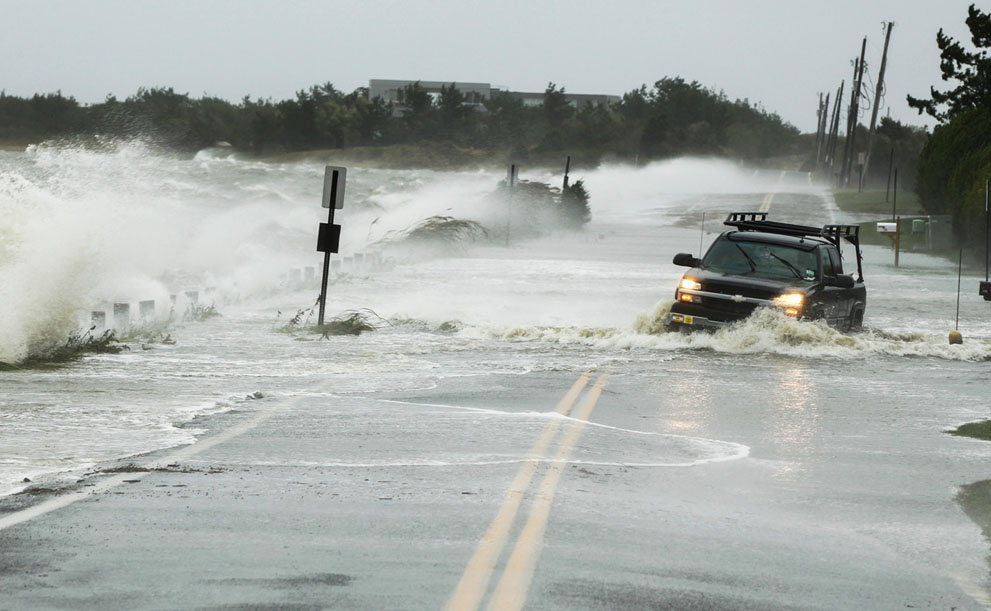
{"x":774,"y":464}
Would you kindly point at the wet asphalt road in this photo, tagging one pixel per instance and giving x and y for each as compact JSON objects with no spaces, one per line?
{"x":827,"y":511}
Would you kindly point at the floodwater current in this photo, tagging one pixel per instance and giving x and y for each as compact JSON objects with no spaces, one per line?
{"x":81,"y":229}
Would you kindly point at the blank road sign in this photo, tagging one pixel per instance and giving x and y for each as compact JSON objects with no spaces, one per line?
{"x":333,"y":186}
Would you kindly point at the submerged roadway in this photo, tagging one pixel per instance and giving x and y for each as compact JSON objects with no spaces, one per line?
{"x":698,"y":475}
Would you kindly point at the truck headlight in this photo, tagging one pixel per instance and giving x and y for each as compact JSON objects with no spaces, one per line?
{"x":692,"y":285}
{"x":790,"y":302}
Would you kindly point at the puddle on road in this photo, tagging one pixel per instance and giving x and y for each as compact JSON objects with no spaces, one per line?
{"x":975,"y":500}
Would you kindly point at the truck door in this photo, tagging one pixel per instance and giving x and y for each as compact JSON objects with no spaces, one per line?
{"x":838,"y":300}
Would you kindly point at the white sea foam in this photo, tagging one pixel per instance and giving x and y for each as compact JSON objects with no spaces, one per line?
{"x":766,"y":331}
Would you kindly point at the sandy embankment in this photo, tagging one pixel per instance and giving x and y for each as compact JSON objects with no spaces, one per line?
{"x":14,"y":144}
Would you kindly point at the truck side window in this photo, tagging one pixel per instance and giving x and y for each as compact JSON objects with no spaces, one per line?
{"x":837,"y":262}
{"x":827,"y":264}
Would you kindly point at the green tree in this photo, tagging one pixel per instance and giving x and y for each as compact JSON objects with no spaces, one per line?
{"x":956,"y":159}
{"x":557,"y":110}
{"x":455,"y":115}
{"x":574,"y":205}
{"x":953,"y":166}
{"x":971,"y":70}
{"x":372,"y":119}
{"x":507,"y":123}
{"x":418,"y":110}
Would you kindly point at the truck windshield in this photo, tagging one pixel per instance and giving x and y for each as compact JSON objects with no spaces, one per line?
{"x":761,"y":259}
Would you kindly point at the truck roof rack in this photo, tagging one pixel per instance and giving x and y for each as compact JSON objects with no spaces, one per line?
{"x":757,"y":221}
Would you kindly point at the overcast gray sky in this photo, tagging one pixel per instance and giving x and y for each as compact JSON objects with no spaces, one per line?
{"x":780,"y":53}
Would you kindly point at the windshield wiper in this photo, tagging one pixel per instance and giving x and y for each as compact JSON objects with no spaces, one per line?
{"x":753,"y":266}
{"x":793,"y":269}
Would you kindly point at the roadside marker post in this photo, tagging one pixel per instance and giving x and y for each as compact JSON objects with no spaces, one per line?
{"x":511,"y":176}
{"x":329,"y":236}
{"x":985,"y":287}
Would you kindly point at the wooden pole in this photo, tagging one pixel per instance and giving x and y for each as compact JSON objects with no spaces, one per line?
{"x":819,"y":115}
{"x":877,"y":98}
{"x":824,"y":121}
{"x":894,"y":199}
{"x":849,"y":117}
{"x":854,"y":111}
{"x":891,"y":164}
{"x":898,"y":237}
{"x":834,"y":130}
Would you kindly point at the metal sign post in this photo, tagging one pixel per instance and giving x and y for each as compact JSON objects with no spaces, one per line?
{"x":511,"y":181}
{"x":329,"y":236}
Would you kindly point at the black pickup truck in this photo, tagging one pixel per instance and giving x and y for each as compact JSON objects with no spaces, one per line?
{"x":759,"y":263}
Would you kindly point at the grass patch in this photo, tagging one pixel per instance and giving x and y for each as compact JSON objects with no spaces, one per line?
{"x":351,"y":322}
{"x":201,"y":313}
{"x":444,"y":230}
{"x":975,"y":500}
{"x":76,"y":345}
{"x":872,"y":202}
{"x":977,"y":430}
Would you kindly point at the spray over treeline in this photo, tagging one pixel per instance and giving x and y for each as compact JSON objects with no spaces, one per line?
{"x":673,"y":117}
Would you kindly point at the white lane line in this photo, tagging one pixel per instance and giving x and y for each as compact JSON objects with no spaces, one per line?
{"x":64,"y":500}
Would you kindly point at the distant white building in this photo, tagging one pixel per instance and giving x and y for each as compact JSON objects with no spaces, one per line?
{"x":392,"y":91}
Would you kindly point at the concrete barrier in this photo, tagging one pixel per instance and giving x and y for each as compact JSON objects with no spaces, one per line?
{"x":122,"y":316}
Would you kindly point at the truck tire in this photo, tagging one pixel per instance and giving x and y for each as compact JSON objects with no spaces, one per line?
{"x":857,"y":319}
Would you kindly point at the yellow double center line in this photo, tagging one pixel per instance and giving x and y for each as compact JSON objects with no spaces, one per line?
{"x":766,"y":204}
{"x":511,"y":591}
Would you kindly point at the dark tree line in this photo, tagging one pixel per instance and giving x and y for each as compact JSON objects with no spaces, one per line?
{"x":956,"y":160}
{"x":673,"y":117}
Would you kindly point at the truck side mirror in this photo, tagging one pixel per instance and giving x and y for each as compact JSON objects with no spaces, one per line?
{"x":685,"y":259}
{"x":842,"y":281}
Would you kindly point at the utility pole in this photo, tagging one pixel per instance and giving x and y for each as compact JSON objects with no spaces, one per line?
{"x":819,"y":115}
{"x":854,"y":111}
{"x":835,"y":128}
{"x":823,"y":138}
{"x":849,"y":117}
{"x":877,"y":100}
